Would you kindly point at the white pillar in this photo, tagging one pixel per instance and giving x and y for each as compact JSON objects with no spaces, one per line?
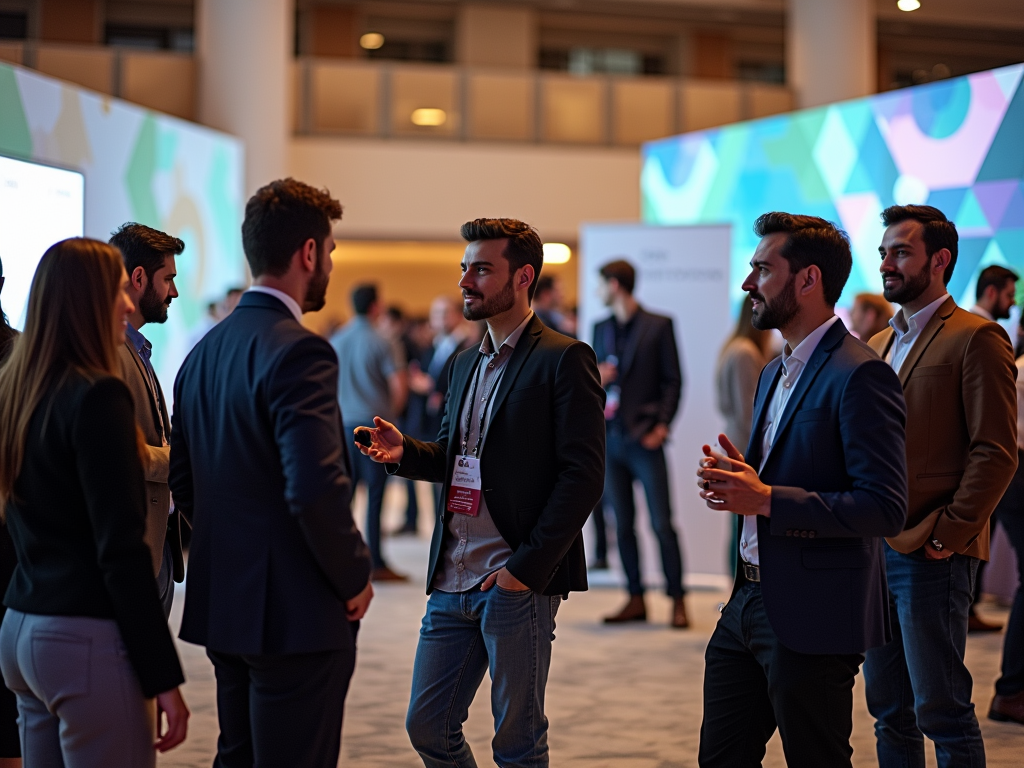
{"x":831,"y":50}
{"x":245,"y":79}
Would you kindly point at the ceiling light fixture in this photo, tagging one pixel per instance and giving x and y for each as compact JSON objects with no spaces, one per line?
{"x":908,"y":5}
{"x":429,"y":116}
{"x":556,"y":253}
{"x":371,"y":41}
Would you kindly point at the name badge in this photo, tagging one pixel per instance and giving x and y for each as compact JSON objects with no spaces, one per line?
{"x":464,"y":494}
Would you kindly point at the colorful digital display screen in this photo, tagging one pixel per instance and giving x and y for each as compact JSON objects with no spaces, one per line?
{"x":957,"y":144}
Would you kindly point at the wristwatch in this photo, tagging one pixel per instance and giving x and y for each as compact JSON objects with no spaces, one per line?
{"x":937,"y":544}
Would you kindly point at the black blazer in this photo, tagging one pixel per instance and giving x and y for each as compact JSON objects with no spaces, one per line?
{"x":542,"y":464}
{"x":839,"y":484}
{"x":259,"y":467}
{"x":650,"y":376}
{"x":77,"y":519}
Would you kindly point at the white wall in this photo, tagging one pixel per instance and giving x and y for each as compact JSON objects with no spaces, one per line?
{"x":427,"y":189}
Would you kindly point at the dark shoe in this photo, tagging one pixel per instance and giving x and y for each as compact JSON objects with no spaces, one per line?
{"x":599,"y":565}
{"x":1007,"y":709}
{"x":634,"y":611}
{"x":386,"y":574}
{"x":977,"y":624}
{"x":679,"y":620}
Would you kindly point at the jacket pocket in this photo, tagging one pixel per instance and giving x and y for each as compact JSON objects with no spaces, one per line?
{"x":812,"y":414}
{"x":527,"y":393}
{"x":941,"y":476}
{"x":823,"y":558}
{"x":944,"y":369}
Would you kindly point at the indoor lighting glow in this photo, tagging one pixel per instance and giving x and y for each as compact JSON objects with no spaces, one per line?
{"x":371,"y":41}
{"x":908,"y":5}
{"x":428,"y":117}
{"x":556,"y":253}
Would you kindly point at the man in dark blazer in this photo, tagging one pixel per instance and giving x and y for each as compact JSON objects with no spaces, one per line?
{"x":822,"y":481}
{"x":520,"y":455}
{"x":149,"y":261}
{"x":278,"y":573}
{"x":639,"y":364}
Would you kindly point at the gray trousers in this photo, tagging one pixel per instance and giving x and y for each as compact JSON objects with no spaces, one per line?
{"x":79,"y":700}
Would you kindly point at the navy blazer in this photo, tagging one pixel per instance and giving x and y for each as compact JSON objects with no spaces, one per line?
{"x":259,"y":466}
{"x":839,"y":484}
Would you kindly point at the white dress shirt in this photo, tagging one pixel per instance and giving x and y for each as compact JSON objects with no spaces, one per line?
{"x":908,"y":331}
{"x":793,"y":363}
{"x":292,"y":304}
{"x":980,"y":311}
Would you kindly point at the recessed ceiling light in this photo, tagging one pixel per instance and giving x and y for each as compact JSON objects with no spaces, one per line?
{"x":556,"y":253}
{"x":371,"y":41}
{"x":429,"y":116}
{"x":908,"y":5}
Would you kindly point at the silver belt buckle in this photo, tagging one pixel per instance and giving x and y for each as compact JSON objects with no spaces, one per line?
{"x":751,"y":572}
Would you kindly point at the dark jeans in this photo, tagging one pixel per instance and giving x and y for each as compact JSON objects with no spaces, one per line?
{"x":366,"y":470}
{"x":918,"y":685}
{"x":463,"y":636}
{"x":753,"y":684}
{"x":628,"y":461}
{"x":1011,"y":517}
{"x":600,"y":531}
{"x":281,"y":710}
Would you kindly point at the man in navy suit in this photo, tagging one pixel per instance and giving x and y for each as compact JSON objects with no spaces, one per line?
{"x":823,"y":480}
{"x":278,"y":573}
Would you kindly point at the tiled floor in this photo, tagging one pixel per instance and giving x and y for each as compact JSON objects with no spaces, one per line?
{"x":619,"y":697}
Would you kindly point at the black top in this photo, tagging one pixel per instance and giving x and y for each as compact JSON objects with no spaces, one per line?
{"x":77,"y":517}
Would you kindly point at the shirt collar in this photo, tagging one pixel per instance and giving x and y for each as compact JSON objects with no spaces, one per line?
{"x":980,"y":311}
{"x":487,"y":345}
{"x":918,"y":320}
{"x":288,"y":301}
{"x":797,"y":358}
{"x":140,"y":342}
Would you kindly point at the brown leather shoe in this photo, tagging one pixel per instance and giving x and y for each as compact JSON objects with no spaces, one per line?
{"x":1007,"y":709}
{"x":386,"y":574}
{"x":977,"y":624}
{"x":679,"y":620}
{"x":633,"y":611}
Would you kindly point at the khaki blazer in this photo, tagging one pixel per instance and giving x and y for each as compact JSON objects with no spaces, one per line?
{"x":959,"y":381}
{"x":149,"y":409}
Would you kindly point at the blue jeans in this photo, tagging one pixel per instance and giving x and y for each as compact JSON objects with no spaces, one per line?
{"x":374,"y":475}
{"x":628,"y":461}
{"x":464,"y":635}
{"x":918,"y":685}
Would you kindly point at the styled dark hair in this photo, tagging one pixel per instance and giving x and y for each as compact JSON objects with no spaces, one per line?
{"x":279,"y":218}
{"x":363,"y":297}
{"x":995,"y":276}
{"x":145,"y":247}
{"x":622,"y":271}
{"x":523,"y":244}
{"x":939,"y":232}
{"x":812,"y":240}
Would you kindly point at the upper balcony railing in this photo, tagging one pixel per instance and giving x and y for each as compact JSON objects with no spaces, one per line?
{"x":336,"y":97}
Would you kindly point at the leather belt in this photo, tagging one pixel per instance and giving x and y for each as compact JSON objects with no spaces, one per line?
{"x":752,"y":572}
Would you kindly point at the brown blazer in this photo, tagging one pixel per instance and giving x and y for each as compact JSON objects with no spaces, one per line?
{"x":959,"y":381}
{"x":149,"y":409}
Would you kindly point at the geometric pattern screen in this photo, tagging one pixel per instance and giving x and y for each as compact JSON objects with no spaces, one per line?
{"x":957,"y":144}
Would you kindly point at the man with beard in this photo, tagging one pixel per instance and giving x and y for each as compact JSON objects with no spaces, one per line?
{"x":822,"y":481}
{"x":521,"y":458}
{"x":996,"y":293}
{"x":278,"y":573}
{"x":149,"y":261}
{"x":958,"y":377}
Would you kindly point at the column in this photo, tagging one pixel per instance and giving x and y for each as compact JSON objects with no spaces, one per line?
{"x":245,"y":79}
{"x":831,"y":50}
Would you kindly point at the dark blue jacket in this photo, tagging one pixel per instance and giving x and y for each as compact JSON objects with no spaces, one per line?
{"x":839,"y":484}
{"x":259,"y":466}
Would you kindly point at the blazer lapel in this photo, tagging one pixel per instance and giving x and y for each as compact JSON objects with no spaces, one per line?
{"x":456,"y":396}
{"x":522,"y":351}
{"x":927,"y":334}
{"x":154,"y":398}
{"x":753,"y":452}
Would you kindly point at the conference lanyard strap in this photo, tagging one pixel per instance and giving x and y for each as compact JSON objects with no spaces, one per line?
{"x":483,"y":405}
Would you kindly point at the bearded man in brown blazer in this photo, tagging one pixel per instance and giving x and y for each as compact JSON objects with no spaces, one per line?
{"x":958,"y":376}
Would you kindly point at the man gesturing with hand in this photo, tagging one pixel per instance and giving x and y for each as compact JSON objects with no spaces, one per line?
{"x":822,"y":481}
{"x":520,"y":454}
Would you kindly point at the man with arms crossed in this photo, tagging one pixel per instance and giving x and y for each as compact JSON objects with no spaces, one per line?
{"x":521,"y":457}
{"x":149,"y":261}
{"x":278,"y":573}
{"x":958,"y":373}
{"x":823,"y":479}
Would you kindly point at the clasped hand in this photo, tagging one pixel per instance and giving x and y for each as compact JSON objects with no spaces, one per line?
{"x":387,"y":446}
{"x":729,"y":483}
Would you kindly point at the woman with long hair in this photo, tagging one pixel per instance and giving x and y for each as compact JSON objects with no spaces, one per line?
{"x":84,"y":644}
{"x":739,"y":366}
{"x":10,"y":742}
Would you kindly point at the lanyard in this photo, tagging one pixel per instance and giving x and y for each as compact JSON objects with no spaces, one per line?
{"x":483,"y":406}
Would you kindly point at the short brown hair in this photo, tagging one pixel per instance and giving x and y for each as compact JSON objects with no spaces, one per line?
{"x":622,"y":272}
{"x":812,"y":240}
{"x":523,"y":244}
{"x":279,"y":218}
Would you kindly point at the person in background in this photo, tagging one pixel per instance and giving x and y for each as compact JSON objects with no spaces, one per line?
{"x":957,"y":372}
{"x":149,"y":260}
{"x":371,"y":381}
{"x":84,"y":645}
{"x":996,"y":293}
{"x":870,"y":315}
{"x":548,"y":302}
{"x":640,"y":371}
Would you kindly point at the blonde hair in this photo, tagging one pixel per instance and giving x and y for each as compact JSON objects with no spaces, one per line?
{"x":69,"y":328}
